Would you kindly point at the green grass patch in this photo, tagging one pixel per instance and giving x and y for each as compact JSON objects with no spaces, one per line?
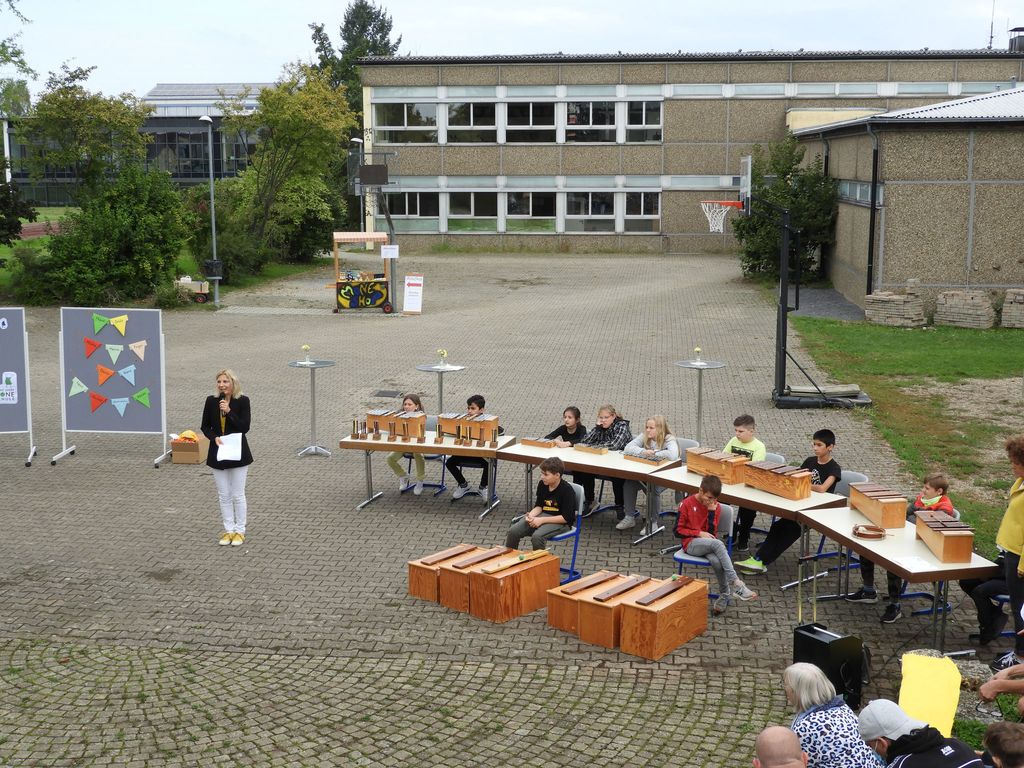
{"x":52,"y":213}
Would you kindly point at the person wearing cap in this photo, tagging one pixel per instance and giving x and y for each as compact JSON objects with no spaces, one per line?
{"x":908,"y":743}
{"x":778,"y":747}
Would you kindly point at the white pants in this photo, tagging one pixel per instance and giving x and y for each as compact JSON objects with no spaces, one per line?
{"x":231,"y":495}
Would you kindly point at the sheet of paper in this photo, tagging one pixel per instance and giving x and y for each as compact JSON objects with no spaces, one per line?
{"x":930,"y":690}
{"x":230,"y":448}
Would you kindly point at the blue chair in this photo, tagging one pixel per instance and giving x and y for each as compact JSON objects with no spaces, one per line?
{"x":571,"y":573}
{"x":725,"y":517}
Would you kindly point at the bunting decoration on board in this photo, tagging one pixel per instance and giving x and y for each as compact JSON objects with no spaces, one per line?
{"x":128,"y":374}
{"x":120,"y":322}
{"x":114,"y":350}
{"x":77,"y":387}
{"x":91,"y":345}
{"x":96,"y":400}
{"x":98,"y":322}
{"x":142,"y":397}
{"x":139,"y":348}
{"x":120,"y":403}
{"x":103,"y":373}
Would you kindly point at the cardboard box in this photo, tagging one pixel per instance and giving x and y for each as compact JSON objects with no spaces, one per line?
{"x":187,"y":452}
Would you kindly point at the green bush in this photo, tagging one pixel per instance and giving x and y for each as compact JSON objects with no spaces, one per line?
{"x":171,"y":295}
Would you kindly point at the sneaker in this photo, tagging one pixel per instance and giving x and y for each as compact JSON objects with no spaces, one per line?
{"x":237,"y":539}
{"x":482,"y":491}
{"x":752,"y":564}
{"x":743,"y":592}
{"x":417,"y":488}
{"x":742,"y":546}
{"x":893,"y":613}
{"x":225,"y":539}
{"x":1005,"y":661}
{"x":461,"y":491}
{"x":721,"y":603}
{"x":863,"y":595}
{"x":625,"y":523}
{"x":404,"y":484}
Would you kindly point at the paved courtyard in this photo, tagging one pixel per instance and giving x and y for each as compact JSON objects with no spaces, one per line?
{"x":128,"y":637}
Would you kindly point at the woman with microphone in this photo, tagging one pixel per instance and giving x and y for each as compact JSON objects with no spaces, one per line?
{"x":227,"y":413}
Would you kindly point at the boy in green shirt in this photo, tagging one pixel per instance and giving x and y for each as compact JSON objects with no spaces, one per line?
{"x":745,"y":444}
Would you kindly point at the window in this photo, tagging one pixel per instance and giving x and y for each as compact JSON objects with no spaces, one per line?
{"x":590,"y":121}
{"x":411,"y":211}
{"x":859,"y":192}
{"x":531,"y":121}
{"x":643,"y":121}
{"x":590,"y":212}
{"x":643,"y":212}
{"x":182,"y":154}
{"x":405,"y":123}
{"x":470,"y":122}
{"x":472,"y":211}
{"x":923,"y":88}
{"x":530,"y":212}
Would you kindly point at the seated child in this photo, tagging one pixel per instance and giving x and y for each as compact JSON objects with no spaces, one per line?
{"x":474,"y":407}
{"x":410,"y":403}
{"x":745,"y":444}
{"x":554,"y":510}
{"x":657,"y":442}
{"x":932,"y":496}
{"x":697,"y":526}
{"x":825,"y":473}
{"x":571,"y":431}
{"x":612,"y":432}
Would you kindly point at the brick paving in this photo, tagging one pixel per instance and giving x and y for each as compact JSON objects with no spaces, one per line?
{"x":127,"y":637}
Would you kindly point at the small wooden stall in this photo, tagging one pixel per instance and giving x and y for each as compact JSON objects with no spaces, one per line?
{"x":368,"y":290}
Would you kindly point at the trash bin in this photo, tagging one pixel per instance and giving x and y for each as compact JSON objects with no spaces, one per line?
{"x":213,"y":268}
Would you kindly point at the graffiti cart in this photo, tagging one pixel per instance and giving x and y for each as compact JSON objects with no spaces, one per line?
{"x":361,"y":290}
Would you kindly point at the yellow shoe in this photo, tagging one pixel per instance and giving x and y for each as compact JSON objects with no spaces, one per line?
{"x":225,"y":539}
{"x":237,"y":539}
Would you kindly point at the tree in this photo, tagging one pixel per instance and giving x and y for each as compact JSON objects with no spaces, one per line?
{"x":811,"y":197}
{"x":13,"y":208}
{"x":88,"y":136}
{"x":14,"y":96}
{"x":11,"y":52}
{"x":365,"y":31}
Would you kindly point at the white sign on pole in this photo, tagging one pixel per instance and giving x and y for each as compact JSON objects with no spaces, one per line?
{"x":412,"y":302}
{"x":389,"y":251}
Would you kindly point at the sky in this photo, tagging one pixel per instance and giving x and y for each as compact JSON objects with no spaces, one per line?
{"x":135,"y":44}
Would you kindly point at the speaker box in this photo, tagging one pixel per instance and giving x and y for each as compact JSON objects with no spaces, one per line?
{"x":840,"y":658}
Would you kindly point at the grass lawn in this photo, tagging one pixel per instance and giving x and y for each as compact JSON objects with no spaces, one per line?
{"x":909,"y":375}
{"x":52,"y":213}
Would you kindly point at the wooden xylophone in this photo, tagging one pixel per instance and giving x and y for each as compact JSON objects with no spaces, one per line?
{"x":590,"y":449}
{"x":466,"y":428}
{"x":660,"y":620}
{"x":381,"y":420}
{"x":727,"y":466}
{"x":883,"y":507}
{"x":949,"y":540}
{"x":788,"y":482}
{"x":537,"y":442}
{"x":644,"y":460}
{"x":411,"y":425}
{"x":513,"y":586}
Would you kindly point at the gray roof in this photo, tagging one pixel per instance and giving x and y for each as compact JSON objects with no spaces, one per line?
{"x":741,"y":55}
{"x":198,"y":91}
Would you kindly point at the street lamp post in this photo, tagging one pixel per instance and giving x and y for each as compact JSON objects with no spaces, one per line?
{"x":213,"y":213}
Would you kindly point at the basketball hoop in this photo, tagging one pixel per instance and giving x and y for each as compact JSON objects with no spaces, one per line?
{"x":715,"y":210}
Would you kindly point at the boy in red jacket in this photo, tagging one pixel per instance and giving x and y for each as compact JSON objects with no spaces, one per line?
{"x":933,"y":496}
{"x":697,"y":526}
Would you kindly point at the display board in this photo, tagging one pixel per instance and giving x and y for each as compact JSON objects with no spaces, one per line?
{"x":15,"y":412}
{"x":112,"y":370}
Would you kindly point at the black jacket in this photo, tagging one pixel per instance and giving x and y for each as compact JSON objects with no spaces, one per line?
{"x":237,"y":420}
{"x":927,"y":748}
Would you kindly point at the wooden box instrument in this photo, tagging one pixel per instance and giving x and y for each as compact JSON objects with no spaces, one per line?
{"x":512,"y":586}
{"x":949,"y":540}
{"x":423,"y":573}
{"x":727,"y":466}
{"x":883,"y":507}
{"x":589,"y":449}
{"x":644,"y":460}
{"x":537,"y":442}
{"x":788,"y":482}
{"x":660,"y":620}
{"x":381,"y":420}
{"x":564,"y":601}
{"x":600,"y":614}
{"x":411,"y":425}
{"x":484,"y":427}
{"x":454,"y":425}
{"x":453,"y":576}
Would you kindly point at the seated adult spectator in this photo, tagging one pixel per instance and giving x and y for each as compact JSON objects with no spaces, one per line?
{"x":909,"y":743}
{"x":778,"y":747}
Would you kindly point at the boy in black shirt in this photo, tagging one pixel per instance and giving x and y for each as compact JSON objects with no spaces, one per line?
{"x":825,"y":473}
{"x":554,"y":510}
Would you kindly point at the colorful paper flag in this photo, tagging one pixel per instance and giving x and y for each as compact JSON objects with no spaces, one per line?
{"x":139,"y":348}
{"x":77,"y":387}
{"x":128,"y":374}
{"x":98,"y":322}
{"x":91,"y":345}
{"x":120,"y":403}
{"x":96,"y":400}
{"x":120,"y":322}
{"x":103,"y":373}
{"x":114,"y":350}
{"x":142,"y":397}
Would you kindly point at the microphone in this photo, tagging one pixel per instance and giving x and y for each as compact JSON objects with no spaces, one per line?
{"x":223,"y":395}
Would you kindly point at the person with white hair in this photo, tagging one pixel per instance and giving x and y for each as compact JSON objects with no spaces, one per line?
{"x":827,"y":727}
{"x":908,"y":743}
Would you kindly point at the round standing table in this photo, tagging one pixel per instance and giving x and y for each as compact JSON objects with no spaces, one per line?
{"x":700,"y":366}
{"x":312,"y":449}
{"x":440,"y":370}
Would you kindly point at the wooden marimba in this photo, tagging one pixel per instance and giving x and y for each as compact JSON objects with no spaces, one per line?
{"x":411,"y":425}
{"x":537,"y":442}
{"x":788,"y":482}
{"x":381,"y":420}
{"x":949,"y":540}
{"x":512,"y":586}
{"x":564,"y":601}
{"x":600,"y":613}
{"x":423,"y":573}
{"x":883,"y":507}
{"x":657,"y":621}
{"x":590,"y":449}
{"x":453,"y":576}
{"x":727,"y":466}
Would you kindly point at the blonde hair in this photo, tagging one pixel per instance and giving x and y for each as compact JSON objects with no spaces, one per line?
{"x":661,"y":430}
{"x":609,"y":409}
{"x":809,"y":685}
{"x":236,"y":385}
